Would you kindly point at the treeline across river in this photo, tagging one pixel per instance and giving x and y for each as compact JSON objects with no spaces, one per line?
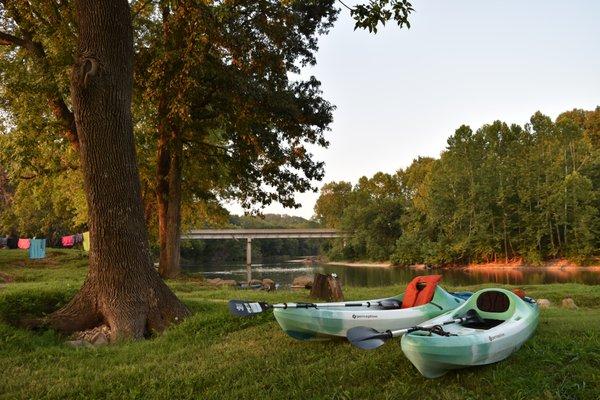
{"x":500,"y":193}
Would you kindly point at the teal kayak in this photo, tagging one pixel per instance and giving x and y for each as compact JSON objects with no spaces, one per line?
{"x":327,"y":322}
{"x":507,"y":322}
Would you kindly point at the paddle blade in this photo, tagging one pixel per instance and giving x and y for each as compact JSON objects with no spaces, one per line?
{"x":366,"y":338}
{"x":243,"y":308}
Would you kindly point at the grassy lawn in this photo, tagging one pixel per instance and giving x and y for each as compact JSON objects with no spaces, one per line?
{"x":213,"y":355}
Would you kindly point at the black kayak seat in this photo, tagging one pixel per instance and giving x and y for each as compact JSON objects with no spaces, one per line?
{"x":493,"y":302}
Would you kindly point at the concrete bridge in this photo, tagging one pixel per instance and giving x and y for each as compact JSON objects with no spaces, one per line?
{"x":250,"y":234}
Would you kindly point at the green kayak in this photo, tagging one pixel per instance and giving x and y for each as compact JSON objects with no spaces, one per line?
{"x":327,"y":322}
{"x":507,"y":322}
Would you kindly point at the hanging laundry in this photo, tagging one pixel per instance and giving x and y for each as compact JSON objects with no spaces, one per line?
{"x":12,"y":242}
{"x":86,"y":241}
{"x":77,"y":238}
{"x":68,"y":241}
{"x":37,"y":248}
{"x":23,"y":244}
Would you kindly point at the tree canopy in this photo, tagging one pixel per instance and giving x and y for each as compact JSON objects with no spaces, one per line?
{"x":500,"y":193}
{"x":216,"y":85}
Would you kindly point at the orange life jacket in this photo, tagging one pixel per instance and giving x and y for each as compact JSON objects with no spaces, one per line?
{"x":420,"y":290}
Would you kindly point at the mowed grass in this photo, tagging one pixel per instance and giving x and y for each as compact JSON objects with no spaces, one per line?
{"x":213,"y":355}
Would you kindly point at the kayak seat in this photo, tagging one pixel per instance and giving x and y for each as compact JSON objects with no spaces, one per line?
{"x":420,"y":290}
{"x":493,"y":302}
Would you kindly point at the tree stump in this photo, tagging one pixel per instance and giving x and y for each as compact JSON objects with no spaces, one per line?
{"x":326,"y":287}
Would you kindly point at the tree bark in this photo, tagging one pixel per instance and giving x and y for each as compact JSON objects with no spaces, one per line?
{"x":326,"y":287}
{"x":174,"y":211}
{"x":168,"y":173}
{"x":122,"y":289}
{"x":169,"y":204}
{"x":163,"y":166}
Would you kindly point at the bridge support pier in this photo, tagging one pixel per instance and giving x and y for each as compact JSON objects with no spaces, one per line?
{"x":249,"y":259}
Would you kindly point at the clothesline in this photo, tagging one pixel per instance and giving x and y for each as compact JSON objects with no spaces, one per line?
{"x":37,"y":247}
{"x":72,"y":240}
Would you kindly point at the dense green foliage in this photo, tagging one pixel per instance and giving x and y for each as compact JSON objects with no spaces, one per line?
{"x":213,"y":355}
{"x":502,"y":192}
{"x":213,"y":251}
{"x":219,"y":81}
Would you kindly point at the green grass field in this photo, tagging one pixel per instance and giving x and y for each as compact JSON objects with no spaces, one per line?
{"x":213,"y":355}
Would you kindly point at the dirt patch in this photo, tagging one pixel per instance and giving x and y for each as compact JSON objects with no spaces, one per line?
{"x":44,"y":262}
{"x":5,"y":278}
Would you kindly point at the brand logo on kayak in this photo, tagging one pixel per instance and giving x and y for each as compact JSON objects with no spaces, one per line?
{"x":492,"y":338}
{"x":368,"y":316}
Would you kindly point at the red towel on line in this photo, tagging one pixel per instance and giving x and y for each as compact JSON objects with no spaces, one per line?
{"x":68,"y":241}
{"x":23,"y":244}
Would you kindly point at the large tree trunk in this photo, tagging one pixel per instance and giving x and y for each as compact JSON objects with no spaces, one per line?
{"x":122,"y":288}
{"x":168,"y":172}
{"x":163,"y":166}
{"x":174,"y":212}
{"x":169,"y":205}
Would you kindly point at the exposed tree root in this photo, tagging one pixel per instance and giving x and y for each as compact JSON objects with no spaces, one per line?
{"x":128,"y":313}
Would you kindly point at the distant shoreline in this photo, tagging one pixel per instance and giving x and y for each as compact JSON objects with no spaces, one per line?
{"x":560,"y":264}
{"x":361,"y":264}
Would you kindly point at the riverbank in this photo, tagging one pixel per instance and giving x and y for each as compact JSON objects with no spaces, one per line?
{"x":361,"y":264}
{"x":557,"y":264}
{"x":213,"y":355}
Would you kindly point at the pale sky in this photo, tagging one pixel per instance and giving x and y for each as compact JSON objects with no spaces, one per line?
{"x":402,"y":93}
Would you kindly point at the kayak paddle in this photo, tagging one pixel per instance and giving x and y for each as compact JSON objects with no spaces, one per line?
{"x":368,"y":338}
{"x":243,"y":308}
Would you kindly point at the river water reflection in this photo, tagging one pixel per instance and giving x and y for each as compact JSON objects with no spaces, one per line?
{"x":284,"y":273}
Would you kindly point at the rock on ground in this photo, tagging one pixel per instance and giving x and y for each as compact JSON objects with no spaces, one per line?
{"x":98,"y":336}
{"x":221,"y":282}
{"x":303,"y":281}
{"x":78,"y":343}
{"x":543,"y":304}
{"x":569,"y":304}
{"x":268,"y":284}
{"x":214,"y":281}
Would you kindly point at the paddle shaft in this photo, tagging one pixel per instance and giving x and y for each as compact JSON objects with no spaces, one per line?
{"x":322,"y":305}
{"x":401,"y":332}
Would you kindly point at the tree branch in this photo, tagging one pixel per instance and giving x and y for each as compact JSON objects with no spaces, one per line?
{"x":60,"y":110}
{"x":345,"y":5}
{"x":7,"y":39}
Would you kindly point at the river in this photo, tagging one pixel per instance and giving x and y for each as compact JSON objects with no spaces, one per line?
{"x":284,"y":273}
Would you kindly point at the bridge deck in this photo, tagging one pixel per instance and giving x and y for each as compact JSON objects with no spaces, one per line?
{"x":262,"y":233}
{"x":251,"y":234}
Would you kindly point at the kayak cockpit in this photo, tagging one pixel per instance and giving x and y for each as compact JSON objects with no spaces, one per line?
{"x":493,"y":307}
